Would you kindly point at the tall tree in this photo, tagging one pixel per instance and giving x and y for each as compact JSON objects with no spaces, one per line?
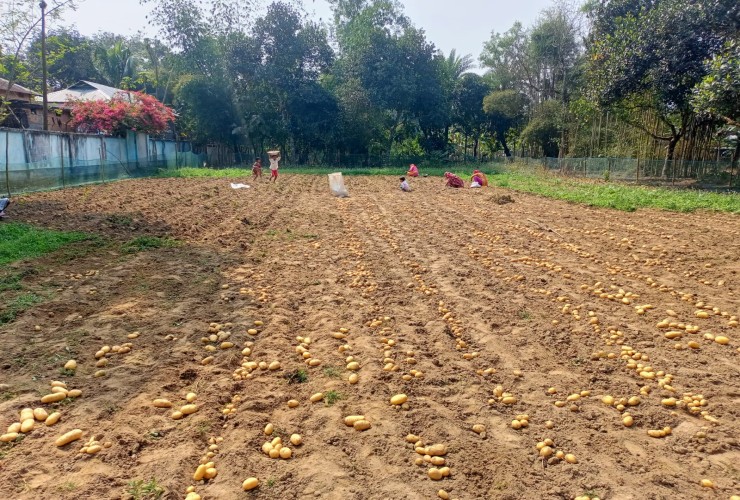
{"x":507,"y":110}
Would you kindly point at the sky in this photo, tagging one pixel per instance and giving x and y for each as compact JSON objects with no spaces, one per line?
{"x":458,"y":24}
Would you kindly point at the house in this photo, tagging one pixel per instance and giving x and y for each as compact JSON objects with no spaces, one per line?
{"x":25,"y":112}
{"x":85,"y":91}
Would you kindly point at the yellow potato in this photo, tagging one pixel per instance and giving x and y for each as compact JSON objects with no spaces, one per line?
{"x":434,"y":474}
{"x":293,"y":403}
{"x":269,"y":429}
{"x":571,"y":459}
{"x":67,"y":438}
{"x":27,"y":425}
{"x":99,"y":373}
{"x":479,"y":428}
{"x":250,"y":483}
{"x":399,"y":399}
{"x":362,"y":425}
{"x":443,"y":495}
{"x":274,"y":453}
{"x":296,"y":439}
{"x":192,"y":496}
{"x":53,"y":398}
{"x":353,"y":378}
{"x":177,"y":415}
{"x":14,"y":427}
{"x":74,"y":393}
{"x":286,"y":453}
{"x":70,"y":365}
{"x":316,"y":397}
{"x":162,"y":403}
{"x":53,"y":418}
{"x":353,"y":366}
{"x":189,"y":409}
{"x":10,"y":436}
{"x":26,"y":413}
{"x":190,"y":397}
{"x":211,"y":472}
{"x":437,"y":450}
{"x":275,"y":365}
{"x":57,"y":390}
{"x":92,"y":450}
{"x":721,"y":339}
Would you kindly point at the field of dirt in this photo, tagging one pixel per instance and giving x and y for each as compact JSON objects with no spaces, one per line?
{"x":480,"y":305}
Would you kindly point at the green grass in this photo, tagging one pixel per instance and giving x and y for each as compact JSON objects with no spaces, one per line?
{"x":17,"y":306}
{"x":143,"y":243}
{"x":21,"y":241}
{"x":297,"y":377}
{"x":614,"y":195}
{"x":12,"y":280}
{"x":140,"y":490}
{"x":332,"y":397}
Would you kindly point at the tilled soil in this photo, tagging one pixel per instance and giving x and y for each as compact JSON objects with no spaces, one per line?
{"x":558,"y":304}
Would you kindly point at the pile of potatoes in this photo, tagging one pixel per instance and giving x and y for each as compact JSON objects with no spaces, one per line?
{"x":59,"y":391}
{"x":302,"y":349}
{"x":105,"y":352}
{"x":571,"y":400}
{"x":546,"y":451}
{"x":358,"y":422}
{"x":276,"y":448}
{"x":94,"y":446}
{"x":500,"y":396}
{"x":27,"y":421}
{"x":430,"y":455}
{"x":187,"y":409}
{"x":230,"y":408}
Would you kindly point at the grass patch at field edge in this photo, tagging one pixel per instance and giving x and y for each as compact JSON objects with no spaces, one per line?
{"x":21,"y":241}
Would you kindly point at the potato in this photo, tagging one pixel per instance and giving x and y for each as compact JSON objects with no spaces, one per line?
{"x":53,"y":398}
{"x":706,"y":483}
{"x":293,"y":403}
{"x":99,"y":373}
{"x":275,"y":365}
{"x":14,"y":427}
{"x":353,"y":366}
{"x":571,"y":459}
{"x":57,"y":390}
{"x":226,"y":345}
{"x":546,"y":451}
{"x":53,"y":418}
{"x":57,"y":383}
{"x":189,"y":409}
{"x":190,"y":397}
{"x":162,"y":403}
{"x":350,"y":420}
{"x":192,"y":496}
{"x":286,"y":453}
{"x":67,"y":438}
{"x":362,"y":425}
{"x":353,"y":378}
{"x":211,"y":472}
{"x":437,"y":460}
{"x":721,"y":339}
{"x":27,"y":425}
{"x":434,"y":474}
{"x":399,"y":399}
{"x":92,"y":450}
{"x":266,"y":448}
{"x":250,"y":483}
{"x":252,"y":331}
{"x":274,"y":453}
{"x":479,"y":428}
{"x":70,"y":365}
{"x":269,"y":429}
{"x":296,"y":439}
{"x":437,"y":450}
{"x":316,"y":397}
{"x":74,"y":393}
{"x":443,"y":495}
{"x":508,"y":400}
{"x":177,"y":415}
{"x":411,"y":438}
{"x":40,"y":414}
{"x":26,"y":413}
{"x":101,"y":363}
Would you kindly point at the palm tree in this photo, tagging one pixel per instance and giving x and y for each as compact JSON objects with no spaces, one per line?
{"x":454,"y":66}
{"x":115,"y":63}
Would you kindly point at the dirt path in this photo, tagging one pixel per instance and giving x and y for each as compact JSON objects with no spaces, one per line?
{"x":447,"y":296}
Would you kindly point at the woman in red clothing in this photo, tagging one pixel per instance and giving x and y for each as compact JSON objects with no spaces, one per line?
{"x":453,"y":181}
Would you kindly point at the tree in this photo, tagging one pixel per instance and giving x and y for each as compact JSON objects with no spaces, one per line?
{"x":115,"y":62}
{"x":543,"y":130}
{"x":649,"y":55}
{"x":507,"y":111}
{"x":467,"y":108}
{"x":69,"y":59}
{"x":718,"y":94}
{"x":20,"y":20}
{"x":134,"y":111}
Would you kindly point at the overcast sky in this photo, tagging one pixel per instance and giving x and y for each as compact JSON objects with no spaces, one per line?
{"x":457,"y":24}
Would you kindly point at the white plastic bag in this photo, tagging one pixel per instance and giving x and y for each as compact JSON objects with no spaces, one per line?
{"x":336,"y":184}
{"x":239,"y":186}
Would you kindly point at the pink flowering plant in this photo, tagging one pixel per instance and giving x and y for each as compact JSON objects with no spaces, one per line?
{"x":139,"y":112}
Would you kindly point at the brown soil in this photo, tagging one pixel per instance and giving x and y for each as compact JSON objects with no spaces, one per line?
{"x":306,"y":264}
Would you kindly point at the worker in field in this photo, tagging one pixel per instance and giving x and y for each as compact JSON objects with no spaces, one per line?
{"x":453,"y":181}
{"x":413,"y":171}
{"x":257,"y":169}
{"x":479,"y":178}
{"x":4,"y":203}
{"x":274,"y":159}
{"x":405,"y":185}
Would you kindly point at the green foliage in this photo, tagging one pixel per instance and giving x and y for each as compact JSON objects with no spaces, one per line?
{"x":331,"y":397}
{"x":21,"y":241}
{"x":17,"y":306}
{"x":145,"y":490}
{"x":506,"y":109}
{"x":617,"y":196}
{"x":543,"y":129}
{"x":299,"y":376}
{"x":718,"y":94}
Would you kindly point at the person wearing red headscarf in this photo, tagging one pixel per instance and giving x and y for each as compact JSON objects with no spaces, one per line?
{"x":413,"y":171}
{"x":453,"y":181}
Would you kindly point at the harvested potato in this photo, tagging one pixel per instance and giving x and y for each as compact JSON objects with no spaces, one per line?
{"x":362,"y":425}
{"x":189,"y":409}
{"x":350,"y":420}
{"x":296,"y":439}
{"x":293,"y":403}
{"x":27,"y":425}
{"x":74,"y":393}
{"x":67,"y":438}
{"x":399,"y":399}
{"x":70,"y":365}
{"x":250,"y":483}
{"x":479,"y":428}
{"x":53,"y":418}
{"x":316,"y":397}
{"x":162,"y":403}
{"x":54,"y":398}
